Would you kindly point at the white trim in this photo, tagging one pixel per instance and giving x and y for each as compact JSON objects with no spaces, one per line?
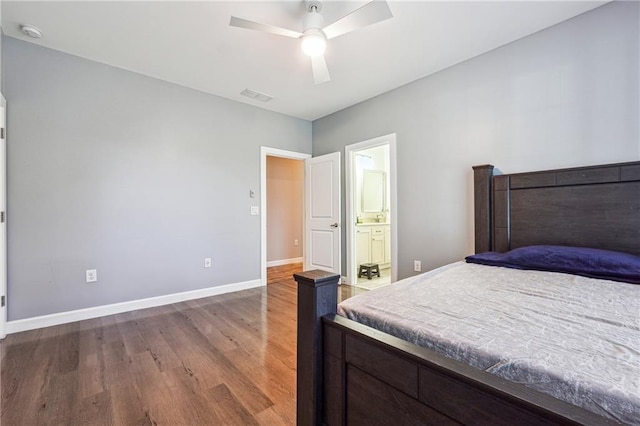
{"x":350,"y":151}
{"x":3,"y":207}
{"x":266,"y":151}
{"x":116,"y":308}
{"x":282,"y":262}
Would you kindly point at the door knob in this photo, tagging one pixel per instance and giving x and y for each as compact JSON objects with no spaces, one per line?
{"x":334,"y":225}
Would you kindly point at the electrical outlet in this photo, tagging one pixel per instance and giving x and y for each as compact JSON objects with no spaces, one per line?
{"x":91,"y":275}
{"x":417,"y":265}
{"x":255,"y":210}
{"x":295,"y":243}
{"x":207,"y":262}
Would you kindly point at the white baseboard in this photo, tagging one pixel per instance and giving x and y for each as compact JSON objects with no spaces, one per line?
{"x":284,"y":262}
{"x":116,"y":308}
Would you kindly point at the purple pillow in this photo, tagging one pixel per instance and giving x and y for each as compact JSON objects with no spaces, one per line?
{"x":587,"y":262}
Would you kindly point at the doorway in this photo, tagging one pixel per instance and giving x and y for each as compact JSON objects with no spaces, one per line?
{"x":282,"y":206}
{"x":371,"y":212}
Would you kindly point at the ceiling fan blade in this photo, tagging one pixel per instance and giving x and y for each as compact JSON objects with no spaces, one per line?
{"x":272,"y":29}
{"x":320,"y":70}
{"x":370,"y":13}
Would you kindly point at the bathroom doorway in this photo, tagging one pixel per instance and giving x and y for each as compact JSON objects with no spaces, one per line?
{"x":371,"y":212}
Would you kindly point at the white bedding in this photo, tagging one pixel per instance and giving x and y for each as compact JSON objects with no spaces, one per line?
{"x":575,"y":338}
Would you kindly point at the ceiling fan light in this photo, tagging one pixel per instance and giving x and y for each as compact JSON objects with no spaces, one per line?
{"x":313,"y":45}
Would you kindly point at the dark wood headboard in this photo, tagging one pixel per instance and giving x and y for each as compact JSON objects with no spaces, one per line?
{"x":597,"y":206}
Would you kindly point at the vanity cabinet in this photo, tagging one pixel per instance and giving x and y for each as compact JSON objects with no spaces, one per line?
{"x":363,"y":244}
{"x":377,"y":245}
{"x":373,"y":244}
{"x":387,"y":244}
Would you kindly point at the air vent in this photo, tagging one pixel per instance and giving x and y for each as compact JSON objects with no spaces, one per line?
{"x":256,"y":95}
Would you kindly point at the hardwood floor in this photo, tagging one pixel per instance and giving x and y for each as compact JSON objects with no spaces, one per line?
{"x":277,"y":274}
{"x":228,"y":359}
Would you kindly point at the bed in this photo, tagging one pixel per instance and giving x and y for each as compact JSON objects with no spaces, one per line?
{"x":351,"y":373}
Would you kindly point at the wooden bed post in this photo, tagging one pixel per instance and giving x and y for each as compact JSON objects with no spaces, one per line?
{"x":482,"y":206}
{"x":317,"y":296}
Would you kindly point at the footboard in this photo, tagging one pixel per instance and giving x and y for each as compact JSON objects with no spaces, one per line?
{"x":349,"y":373}
{"x":372,"y":377}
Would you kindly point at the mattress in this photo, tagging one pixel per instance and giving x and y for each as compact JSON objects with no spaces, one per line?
{"x":575,"y":338}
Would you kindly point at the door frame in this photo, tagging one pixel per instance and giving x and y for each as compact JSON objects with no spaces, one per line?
{"x":350,"y":169}
{"x":3,"y":208}
{"x":265,"y":152}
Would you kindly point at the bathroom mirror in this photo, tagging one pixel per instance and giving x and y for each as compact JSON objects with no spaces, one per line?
{"x":373,"y":191}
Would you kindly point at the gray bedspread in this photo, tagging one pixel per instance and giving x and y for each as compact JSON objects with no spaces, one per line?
{"x":575,"y":338}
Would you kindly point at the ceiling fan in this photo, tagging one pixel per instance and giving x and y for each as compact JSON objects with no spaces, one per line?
{"x":314,"y":37}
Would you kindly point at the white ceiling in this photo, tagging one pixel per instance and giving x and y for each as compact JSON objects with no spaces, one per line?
{"x":192,"y":44}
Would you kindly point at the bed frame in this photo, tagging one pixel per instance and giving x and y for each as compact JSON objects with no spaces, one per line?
{"x":349,"y":373}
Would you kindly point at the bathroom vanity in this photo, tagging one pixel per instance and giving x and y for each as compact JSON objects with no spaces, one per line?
{"x":373,"y":244}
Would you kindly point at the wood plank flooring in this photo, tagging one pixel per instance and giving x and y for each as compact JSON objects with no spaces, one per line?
{"x":277,"y":274}
{"x":228,"y":359}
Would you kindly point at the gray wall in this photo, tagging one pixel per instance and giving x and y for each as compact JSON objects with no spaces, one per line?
{"x":138,"y":178}
{"x":566,"y":96}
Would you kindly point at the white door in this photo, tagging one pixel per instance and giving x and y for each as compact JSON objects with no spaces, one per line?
{"x":3,"y":227}
{"x":322,"y":225}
